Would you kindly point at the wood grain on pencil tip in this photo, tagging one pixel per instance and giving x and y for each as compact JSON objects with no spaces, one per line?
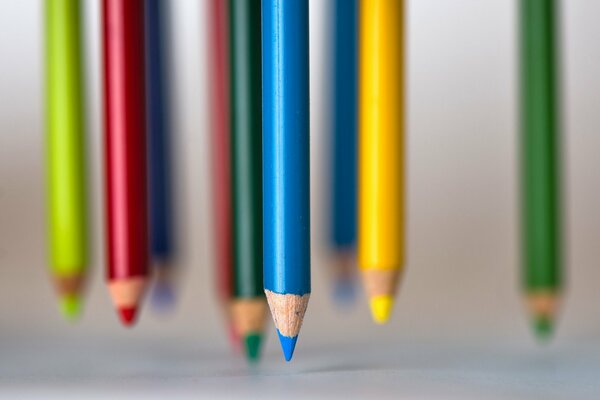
{"x":288,"y":314}
{"x":127,"y":295}
{"x":249,"y":316}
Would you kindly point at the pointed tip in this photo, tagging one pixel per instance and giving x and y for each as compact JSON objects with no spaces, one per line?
{"x":70,"y":307}
{"x":163,"y":297}
{"x":344,"y":292}
{"x":252,"y":344}
{"x":543,"y":326}
{"x":288,"y":345}
{"x":234,"y":339}
{"x":381,"y":308}
{"x":128,"y":315}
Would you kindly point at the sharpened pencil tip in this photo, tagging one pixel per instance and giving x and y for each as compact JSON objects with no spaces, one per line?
{"x":163,"y":297}
{"x":542,"y":306}
{"x":234,"y":339}
{"x":381,"y":308}
{"x":252,"y":343}
{"x":70,"y":307}
{"x":128,"y":315}
{"x":344,"y":292}
{"x":288,"y":345}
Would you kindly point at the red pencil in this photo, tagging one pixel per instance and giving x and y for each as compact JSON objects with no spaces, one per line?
{"x":125,"y":154}
{"x":220,"y":155}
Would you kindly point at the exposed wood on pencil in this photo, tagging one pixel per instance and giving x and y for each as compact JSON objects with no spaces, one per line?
{"x":226,"y":311}
{"x":69,"y":285}
{"x":163,"y":287}
{"x":380,"y":282}
{"x":345,"y":265}
{"x":127,"y":292}
{"x":249,"y":316}
{"x":543,"y":303}
{"x":163,"y":271}
{"x":288,"y":311}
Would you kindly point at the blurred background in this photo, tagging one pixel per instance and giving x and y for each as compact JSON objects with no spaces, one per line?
{"x":461,"y":285}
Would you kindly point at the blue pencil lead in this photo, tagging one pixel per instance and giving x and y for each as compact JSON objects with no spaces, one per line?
{"x":288,"y":344}
{"x":344,"y":292}
{"x":163,"y":297}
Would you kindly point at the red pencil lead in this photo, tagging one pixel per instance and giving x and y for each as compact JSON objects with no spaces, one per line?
{"x":128,"y":315}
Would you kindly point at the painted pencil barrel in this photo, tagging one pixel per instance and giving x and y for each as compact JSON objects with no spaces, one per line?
{"x":221,"y":149}
{"x":381,"y":152}
{"x":125,"y":139}
{"x":65,"y":131}
{"x":159,"y":143}
{"x":381,"y":137}
{"x":345,"y":121}
{"x":286,"y":186}
{"x":540,"y":142}
{"x":246,"y":147}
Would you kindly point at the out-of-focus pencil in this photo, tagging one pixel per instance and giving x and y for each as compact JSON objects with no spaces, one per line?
{"x":540,"y":141}
{"x":159,"y":157}
{"x":381,"y":152}
{"x":125,"y":154}
{"x":286,"y":165}
{"x":344,"y":147}
{"x":66,"y":167}
{"x":249,"y":306}
{"x":222,"y":222}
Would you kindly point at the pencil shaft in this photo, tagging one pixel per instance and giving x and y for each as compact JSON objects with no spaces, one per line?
{"x":125,"y":138}
{"x":345,"y":123}
{"x":540,"y":141}
{"x":286,"y":187}
{"x":65,"y":130}
{"x":221,"y":148}
{"x":381,"y":137}
{"x":246,"y":146}
{"x":159,"y":140}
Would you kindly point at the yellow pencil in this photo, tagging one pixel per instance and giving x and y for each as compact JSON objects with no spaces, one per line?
{"x":381,"y":152}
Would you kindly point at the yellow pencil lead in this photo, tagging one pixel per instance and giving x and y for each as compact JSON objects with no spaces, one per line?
{"x":381,"y":308}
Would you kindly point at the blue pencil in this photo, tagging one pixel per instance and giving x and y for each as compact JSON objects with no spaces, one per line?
{"x":344,"y":145}
{"x":286,"y":170}
{"x":161,"y":240}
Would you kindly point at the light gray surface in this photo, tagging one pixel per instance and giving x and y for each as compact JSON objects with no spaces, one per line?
{"x":160,"y":369}
{"x":458,"y":330}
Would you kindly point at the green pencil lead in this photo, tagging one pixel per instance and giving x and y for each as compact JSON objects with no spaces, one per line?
{"x":252,"y":343}
{"x":70,"y":307}
{"x":543,"y":327}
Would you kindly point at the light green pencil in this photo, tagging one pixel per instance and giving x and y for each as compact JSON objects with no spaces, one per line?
{"x":66,"y":172}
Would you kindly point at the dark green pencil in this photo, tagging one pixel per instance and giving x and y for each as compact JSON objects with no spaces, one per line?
{"x":249,"y":305}
{"x":540,"y":141}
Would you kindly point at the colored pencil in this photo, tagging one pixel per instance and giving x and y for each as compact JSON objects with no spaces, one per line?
{"x":249,"y":306}
{"x":381,"y":152}
{"x":125,"y":154}
{"x":222,"y":215}
{"x":540,"y":141}
{"x":159,"y":157}
{"x":286,"y":169}
{"x":344,"y":146}
{"x":66,"y":169}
